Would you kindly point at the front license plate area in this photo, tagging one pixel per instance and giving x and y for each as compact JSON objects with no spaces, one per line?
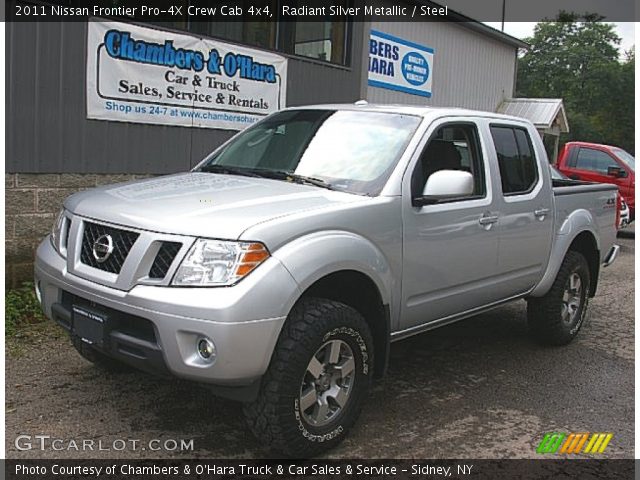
{"x":89,"y":324}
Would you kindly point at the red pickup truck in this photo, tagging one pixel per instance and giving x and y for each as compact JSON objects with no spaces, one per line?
{"x":593,"y":162}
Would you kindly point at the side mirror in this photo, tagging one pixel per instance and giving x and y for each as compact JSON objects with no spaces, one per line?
{"x":616,"y":172}
{"x":445,"y":184}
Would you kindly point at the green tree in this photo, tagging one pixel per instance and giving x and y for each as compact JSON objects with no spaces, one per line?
{"x":576,"y":58}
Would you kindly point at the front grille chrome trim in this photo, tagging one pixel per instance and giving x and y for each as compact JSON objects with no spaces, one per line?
{"x":123,"y":241}
{"x":133,"y":267}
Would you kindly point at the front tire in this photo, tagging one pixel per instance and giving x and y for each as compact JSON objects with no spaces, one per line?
{"x":556,"y":318}
{"x":317,"y":381}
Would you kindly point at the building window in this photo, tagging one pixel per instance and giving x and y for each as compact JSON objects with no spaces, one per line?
{"x":258,"y":34}
{"x":320,"y":40}
{"x":326,"y":41}
{"x":242,"y":29}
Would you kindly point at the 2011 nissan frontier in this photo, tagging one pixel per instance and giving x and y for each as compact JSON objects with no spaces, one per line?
{"x":279,"y":270}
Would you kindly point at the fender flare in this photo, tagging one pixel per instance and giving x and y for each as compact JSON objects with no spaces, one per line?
{"x":579,"y":221}
{"x":343,"y":251}
{"x":339,"y":251}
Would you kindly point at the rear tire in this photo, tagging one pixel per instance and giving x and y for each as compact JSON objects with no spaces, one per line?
{"x":556,"y":318}
{"x":100,"y":360}
{"x":317,"y":381}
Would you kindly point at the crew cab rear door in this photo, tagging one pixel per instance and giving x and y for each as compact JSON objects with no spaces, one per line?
{"x":524,"y":203}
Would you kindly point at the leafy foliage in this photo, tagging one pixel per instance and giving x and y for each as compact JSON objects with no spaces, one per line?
{"x":21,"y":308}
{"x":576,"y":58}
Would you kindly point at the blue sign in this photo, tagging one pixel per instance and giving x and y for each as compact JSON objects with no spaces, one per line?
{"x":400,"y":65}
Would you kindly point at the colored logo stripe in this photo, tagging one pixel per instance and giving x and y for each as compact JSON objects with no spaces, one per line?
{"x":598,"y":442}
{"x":574,"y":442}
{"x":550,"y":443}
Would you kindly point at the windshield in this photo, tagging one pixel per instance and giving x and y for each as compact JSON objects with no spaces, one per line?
{"x":353,"y":151}
{"x":626,"y":157}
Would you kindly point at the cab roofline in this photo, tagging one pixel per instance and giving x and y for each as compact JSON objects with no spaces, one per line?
{"x":432,"y":112}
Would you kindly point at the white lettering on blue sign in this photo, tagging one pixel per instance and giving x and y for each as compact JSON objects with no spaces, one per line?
{"x":400,"y":65}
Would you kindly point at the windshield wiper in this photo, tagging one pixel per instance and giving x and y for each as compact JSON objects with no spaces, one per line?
{"x":247,"y":172}
{"x":267,"y":173}
{"x":294,"y":177}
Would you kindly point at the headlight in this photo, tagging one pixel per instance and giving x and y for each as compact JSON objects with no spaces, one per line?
{"x":212,"y":263}
{"x":56,"y":232}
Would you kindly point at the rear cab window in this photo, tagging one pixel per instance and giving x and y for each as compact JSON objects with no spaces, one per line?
{"x":516,"y":159}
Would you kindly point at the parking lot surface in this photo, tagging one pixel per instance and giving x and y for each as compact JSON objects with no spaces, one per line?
{"x":476,"y":389}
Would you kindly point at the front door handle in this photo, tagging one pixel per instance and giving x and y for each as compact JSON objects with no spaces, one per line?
{"x":541,"y":213}
{"x":488,"y":220}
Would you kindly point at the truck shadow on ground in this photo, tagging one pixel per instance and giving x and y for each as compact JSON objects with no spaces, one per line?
{"x":627,"y":234}
{"x":429,"y":368}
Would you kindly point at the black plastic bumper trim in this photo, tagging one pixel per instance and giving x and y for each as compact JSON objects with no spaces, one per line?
{"x":147,"y":356}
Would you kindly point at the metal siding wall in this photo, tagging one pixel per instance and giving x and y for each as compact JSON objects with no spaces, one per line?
{"x":47,"y":128}
{"x":471,"y":70}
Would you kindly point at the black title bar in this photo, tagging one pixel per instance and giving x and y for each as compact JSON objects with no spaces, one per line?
{"x":316,"y":10}
{"x":199,"y":469}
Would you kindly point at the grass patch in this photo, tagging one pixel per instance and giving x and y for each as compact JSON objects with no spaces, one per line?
{"x":26,"y":327}
{"x":22,"y":310}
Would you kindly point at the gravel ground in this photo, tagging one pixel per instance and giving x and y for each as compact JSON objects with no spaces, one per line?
{"x":477,"y":389}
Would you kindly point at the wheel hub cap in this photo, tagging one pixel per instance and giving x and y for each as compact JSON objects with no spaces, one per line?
{"x":571,"y":298}
{"x":327,"y":383}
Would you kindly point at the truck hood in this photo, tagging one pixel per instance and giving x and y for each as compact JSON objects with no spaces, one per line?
{"x":201,"y":204}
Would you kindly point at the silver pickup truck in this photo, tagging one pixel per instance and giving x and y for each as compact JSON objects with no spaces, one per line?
{"x":279,"y":270}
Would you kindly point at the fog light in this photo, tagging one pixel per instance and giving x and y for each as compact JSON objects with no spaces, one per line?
{"x":206,"y":349}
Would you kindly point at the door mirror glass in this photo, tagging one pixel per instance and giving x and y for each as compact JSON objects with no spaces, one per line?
{"x":616,"y":172}
{"x":446,"y":184}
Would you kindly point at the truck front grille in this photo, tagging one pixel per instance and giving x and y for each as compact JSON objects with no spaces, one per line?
{"x":164,"y":258}
{"x":122,"y":241}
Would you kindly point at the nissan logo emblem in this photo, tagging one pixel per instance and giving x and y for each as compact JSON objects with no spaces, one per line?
{"x":102,"y":248}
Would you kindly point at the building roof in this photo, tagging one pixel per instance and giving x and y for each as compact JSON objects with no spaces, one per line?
{"x":497,"y":34}
{"x":477,"y":26}
{"x":544,"y":113}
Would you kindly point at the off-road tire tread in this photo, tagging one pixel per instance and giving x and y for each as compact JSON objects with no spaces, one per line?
{"x":543,"y":313}
{"x":266,"y":417}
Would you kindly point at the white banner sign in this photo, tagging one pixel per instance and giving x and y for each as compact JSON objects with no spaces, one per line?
{"x":143,"y":75}
{"x":400,"y":65}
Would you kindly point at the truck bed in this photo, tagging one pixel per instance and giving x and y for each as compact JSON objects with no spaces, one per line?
{"x":583,"y":199}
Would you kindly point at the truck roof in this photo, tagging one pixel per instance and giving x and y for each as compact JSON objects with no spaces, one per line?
{"x":590,"y":144}
{"x":421,"y":111}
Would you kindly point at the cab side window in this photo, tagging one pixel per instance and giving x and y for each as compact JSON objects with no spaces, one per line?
{"x":516,"y":159}
{"x":594,"y":160}
{"x":452,"y":147}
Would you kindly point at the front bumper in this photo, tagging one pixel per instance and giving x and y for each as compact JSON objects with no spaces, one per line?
{"x":156,"y":328}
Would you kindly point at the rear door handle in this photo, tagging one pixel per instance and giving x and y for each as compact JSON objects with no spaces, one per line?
{"x":541,"y":213}
{"x":488,"y":220}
